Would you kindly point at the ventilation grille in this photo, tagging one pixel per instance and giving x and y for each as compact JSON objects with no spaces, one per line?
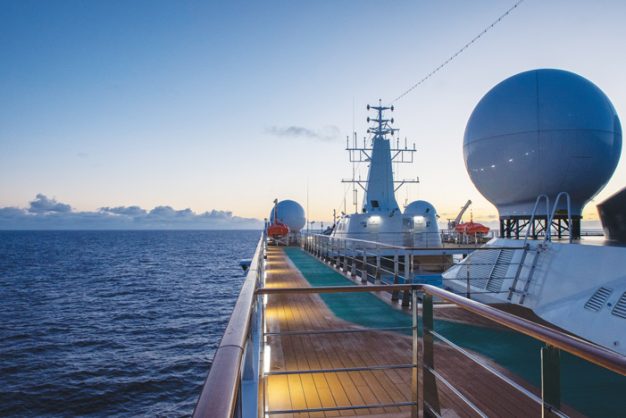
{"x":499,"y":270}
{"x":598,"y":299}
{"x":479,"y":265}
{"x":620,"y":307}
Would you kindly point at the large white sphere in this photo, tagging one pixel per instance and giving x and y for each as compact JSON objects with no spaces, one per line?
{"x":289,"y":213}
{"x":542,"y":132}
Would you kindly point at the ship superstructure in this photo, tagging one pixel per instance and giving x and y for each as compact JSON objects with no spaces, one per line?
{"x":380,"y":218}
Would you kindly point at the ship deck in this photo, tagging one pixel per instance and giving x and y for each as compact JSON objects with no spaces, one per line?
{"x":317,"y":351}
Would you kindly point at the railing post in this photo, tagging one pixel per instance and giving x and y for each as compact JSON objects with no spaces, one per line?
{"x":469,"y":289}
{"x":342,"y":255}
{"x":262,"y":366}
{"x":317,"y":246}
{"x":318,"y":250}
{"x":327,"y":249}
{"x":346,"y":261}
{"x":415,"y":374}
{"x":349,"y":260}
{"x":353,"y":263}
{"x":550,"y":380}
{"x":364,"y":267}
{"x":406,"y":296}
{"x":431,"y":397}
{"x":377,"y":276}
{"x":396,"y":270}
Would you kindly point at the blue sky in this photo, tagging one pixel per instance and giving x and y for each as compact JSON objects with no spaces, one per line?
{"x":226,"y":105}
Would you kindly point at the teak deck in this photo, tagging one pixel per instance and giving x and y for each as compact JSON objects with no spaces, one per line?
{"x":307,"y":352}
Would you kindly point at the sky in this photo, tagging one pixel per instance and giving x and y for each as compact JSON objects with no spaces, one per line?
{"x":220,"y":107}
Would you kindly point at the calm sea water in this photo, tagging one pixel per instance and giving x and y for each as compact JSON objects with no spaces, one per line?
{"x":113,"y":323}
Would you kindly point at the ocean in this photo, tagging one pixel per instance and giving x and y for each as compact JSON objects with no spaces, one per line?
{"x":113,"y":323}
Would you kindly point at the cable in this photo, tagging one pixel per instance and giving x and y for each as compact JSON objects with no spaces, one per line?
{"x":457,"y":53}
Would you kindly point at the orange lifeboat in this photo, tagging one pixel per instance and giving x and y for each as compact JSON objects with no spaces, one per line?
{"x":277,"y":230}
{"x":471,"y":228}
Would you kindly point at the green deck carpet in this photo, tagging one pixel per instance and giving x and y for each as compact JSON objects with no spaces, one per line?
{"x":588,"y":388}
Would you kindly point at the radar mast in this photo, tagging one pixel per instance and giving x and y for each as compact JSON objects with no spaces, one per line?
{"x":380,"y":188}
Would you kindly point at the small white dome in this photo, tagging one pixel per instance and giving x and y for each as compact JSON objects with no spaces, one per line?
{"x":420,"y":208}
{"x":423,"y":218}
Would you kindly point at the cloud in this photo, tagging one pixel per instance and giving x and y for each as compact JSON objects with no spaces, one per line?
{"x":218,"y":214}
{"x":46,"y":213}
{"x":328,"y":133}
{"x":43,"y":204}
{"x":167,"y":212}
{"x":11,"y":212}
{"x":124,"y":210}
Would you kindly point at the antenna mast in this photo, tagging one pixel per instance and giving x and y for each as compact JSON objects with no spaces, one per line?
{"x":380,"y":129}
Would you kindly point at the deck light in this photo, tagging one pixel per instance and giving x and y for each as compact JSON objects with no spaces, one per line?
{"x":267,"y":357}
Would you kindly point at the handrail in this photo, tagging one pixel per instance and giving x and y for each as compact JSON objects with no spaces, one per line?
{"x":399,"y":247}
{"x":532,"y":217}
{"x":218,"y":398}
{"x":573,"y":345}
{"x":588,"y":351}
{"x":569,"y":212}
{"x":220,"y":394}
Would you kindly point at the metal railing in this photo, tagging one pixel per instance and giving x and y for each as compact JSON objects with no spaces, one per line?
{"x":380,"y":263}
{"x":238,"y":367}
{"x":236,"y":359}
{"x":554,"y":342}
{"x":418,"y":240}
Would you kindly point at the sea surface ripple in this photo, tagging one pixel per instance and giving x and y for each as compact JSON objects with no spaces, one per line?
{"x":113,"y":323}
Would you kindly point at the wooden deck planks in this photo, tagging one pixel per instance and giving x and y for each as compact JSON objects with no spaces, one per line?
{"x":306,"y":352}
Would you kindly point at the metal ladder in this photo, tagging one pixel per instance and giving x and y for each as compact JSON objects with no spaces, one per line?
{"x":548,"y":238}
{"x":528,"y":278}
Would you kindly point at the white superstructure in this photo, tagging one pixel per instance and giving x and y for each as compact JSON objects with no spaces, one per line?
{"x":578,"y":287}
{"x":380,"y":218}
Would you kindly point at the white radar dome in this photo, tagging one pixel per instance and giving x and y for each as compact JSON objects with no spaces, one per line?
{"x":423,"y":216}
{"x":542,"y":132}
{"x":289,"y":213}
{"x":420,"y":208}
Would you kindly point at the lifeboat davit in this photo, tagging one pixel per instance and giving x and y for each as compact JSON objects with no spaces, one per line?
{"x":471,"y":228}
{"x":277,"y":230}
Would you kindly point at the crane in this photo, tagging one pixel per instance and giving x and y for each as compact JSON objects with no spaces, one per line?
{"x":453,"y":223}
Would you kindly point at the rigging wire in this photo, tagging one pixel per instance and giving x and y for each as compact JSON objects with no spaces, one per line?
{"x":460,"y":51}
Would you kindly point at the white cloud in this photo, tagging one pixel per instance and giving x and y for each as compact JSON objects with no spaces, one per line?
{"x":46,"y":213}
{"x":43,"y":204}
{"x":328,"y":133}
